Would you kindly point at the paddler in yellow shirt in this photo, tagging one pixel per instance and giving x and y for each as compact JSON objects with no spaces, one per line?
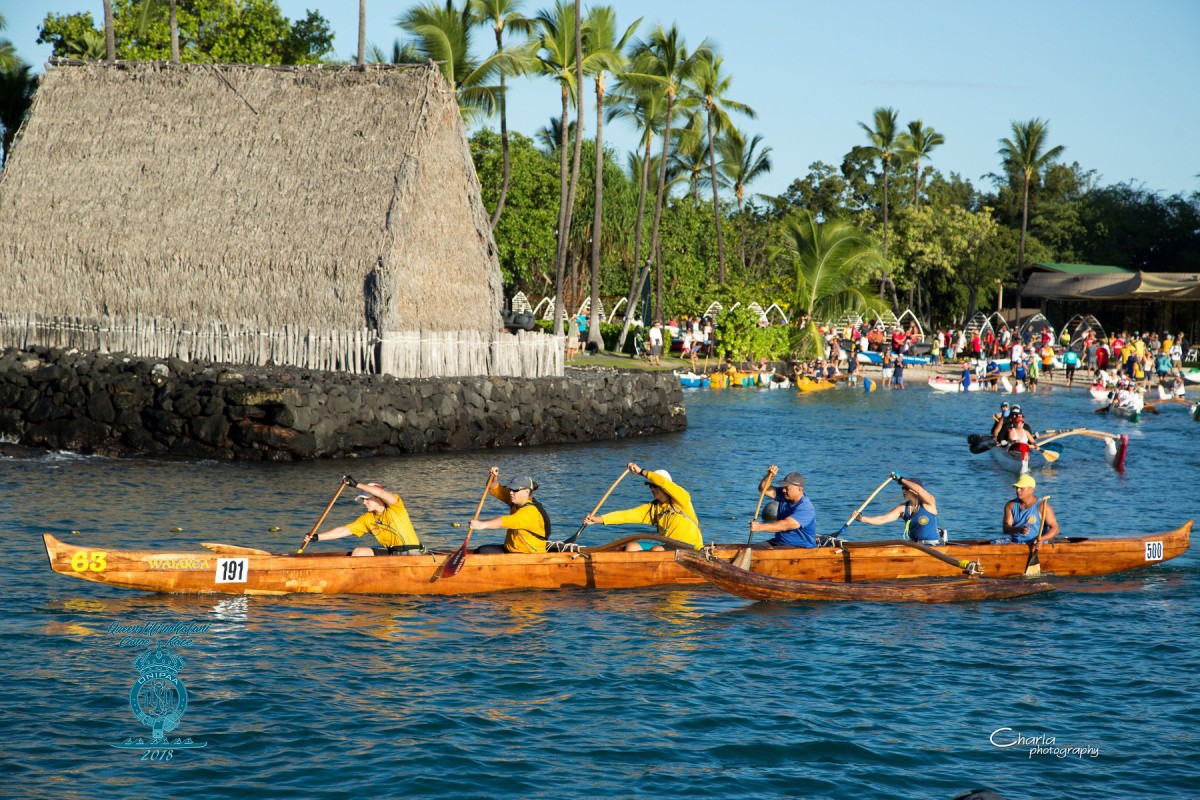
{"x":385,"y":517}
{"x":671,"y":511}
{"x":527,"y":523}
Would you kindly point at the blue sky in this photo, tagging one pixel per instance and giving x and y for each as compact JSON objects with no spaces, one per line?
{"x":1116,"y":81}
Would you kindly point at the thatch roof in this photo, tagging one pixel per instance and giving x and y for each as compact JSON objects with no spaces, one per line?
{"x":331,"y":198}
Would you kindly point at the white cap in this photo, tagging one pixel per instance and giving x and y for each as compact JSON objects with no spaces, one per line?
{"x":663,"y":473}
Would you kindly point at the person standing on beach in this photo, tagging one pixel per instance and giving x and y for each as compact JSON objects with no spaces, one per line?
{"x":1070,"y":362}
{"x":386,"y":518}
{"x":656,"y":343}
{"x":796,"y":522}
{"x":897,"y":371}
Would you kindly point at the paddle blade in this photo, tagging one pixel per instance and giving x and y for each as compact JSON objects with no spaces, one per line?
{"x":978,"y":438}
{"x":454,"y":563}
{"x":1051,"y":453}
{"x":742,"y":559}
{"x":1033,"y":567}
{"x":1101,"y":410}
{"x":983,"y":447}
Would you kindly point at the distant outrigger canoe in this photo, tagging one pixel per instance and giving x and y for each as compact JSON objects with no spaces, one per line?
{"x":228,"y":569}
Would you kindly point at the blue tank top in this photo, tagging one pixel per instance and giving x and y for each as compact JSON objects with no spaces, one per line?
{"x":1026,"y":516}
{"x":920,"y":523}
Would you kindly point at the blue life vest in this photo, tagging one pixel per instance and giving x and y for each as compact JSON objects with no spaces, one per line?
{"x":1025,"y":516}
{"x":920,"y":523}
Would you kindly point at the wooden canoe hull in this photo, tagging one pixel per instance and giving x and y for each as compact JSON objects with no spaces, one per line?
{"x":755,"y":586}
{"x":328,"y":573}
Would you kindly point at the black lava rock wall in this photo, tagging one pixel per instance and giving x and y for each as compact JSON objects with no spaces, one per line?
{"x":110,"y":404}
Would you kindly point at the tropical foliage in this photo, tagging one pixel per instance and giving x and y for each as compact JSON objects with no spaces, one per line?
{"x":575,"y":219}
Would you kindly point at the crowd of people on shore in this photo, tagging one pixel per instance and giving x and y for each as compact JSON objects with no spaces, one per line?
{"x":791,"y":521}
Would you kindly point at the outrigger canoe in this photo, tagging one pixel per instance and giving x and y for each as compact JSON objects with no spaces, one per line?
{"x":807,"y":384}
{"x":754,"y":586}
{"x":940,"y":384}
{"x":228,"y":569}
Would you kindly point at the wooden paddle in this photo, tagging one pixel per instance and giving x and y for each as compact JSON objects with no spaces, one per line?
{"x":453,"y":564}
{"x":891,"y":477}
{"x":1051,"y":454}
{"x":1033,"y":567}
{"x":595,"y":510}
{"x":742,"y":559}
{"x":308,"y":538}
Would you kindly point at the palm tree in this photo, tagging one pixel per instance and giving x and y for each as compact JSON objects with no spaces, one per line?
{"x":885,"y":146}
{"x":110,"y":33}
{"x":88,"y":47}
{"x":17,"y":85}
{"x":603,"y":54}
{"x":741,"y":165}
{"x":831,"y":262}
{"x":172,"y":23}
{"x":1025,"y":153}
{"x":712,"y":85}
{"x":8,"y":53}
{"x":917,"y":143}
{"x":663,"y":60}
{"x":443,"y":34}
{"x":644,"y":106}
{"x":690,"y":152}
{"x":503,"y":15}
{"x":558,"y":56}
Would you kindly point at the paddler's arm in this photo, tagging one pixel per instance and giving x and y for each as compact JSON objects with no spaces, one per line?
{"x":764,"y":486}
{"x":1009,"y":528}
{"x":339,"y":532}
{"x":881,"y":519}
{"x":385,"y":497}
{"x":497,"y":491}
{"x":785,"y":524}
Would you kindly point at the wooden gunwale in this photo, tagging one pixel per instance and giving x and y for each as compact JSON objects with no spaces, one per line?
{"x":335,"y":573}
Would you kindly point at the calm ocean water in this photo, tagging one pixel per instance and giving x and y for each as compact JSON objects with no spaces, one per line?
{"x":655,"y":693}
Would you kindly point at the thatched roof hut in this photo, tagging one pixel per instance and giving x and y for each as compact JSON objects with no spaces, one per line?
{"x":266,"y":202}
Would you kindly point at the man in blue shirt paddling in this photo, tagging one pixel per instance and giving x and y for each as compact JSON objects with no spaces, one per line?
{"x":796,"y":521}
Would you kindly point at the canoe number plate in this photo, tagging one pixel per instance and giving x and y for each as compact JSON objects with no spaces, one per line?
{"x":235,"y":570}
{"x":1154,"y":551}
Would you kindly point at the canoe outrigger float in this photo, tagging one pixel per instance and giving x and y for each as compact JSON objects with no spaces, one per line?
{"x":754,"y":586}
{"x":228,"y":569}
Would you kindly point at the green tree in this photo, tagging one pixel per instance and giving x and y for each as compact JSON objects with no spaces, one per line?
{"x":17,"y":86}
{"x":8,"y":53}
{"x":663,"y":61}
{"x":525,"y":238}
{"x":916,"y":143}
{"x":712,"y":86}
{"x":210,"y":31}
{"x":443,"y":33}
{"x":602,"y":54}
{"x":885,"y":145}
{"x":505,"y":16}
{"x":742,"y":163}
{"x":559,"y":56}
{"x":1026,"y":154}
{"x":943,"y":248}
{"x":831,"y":262}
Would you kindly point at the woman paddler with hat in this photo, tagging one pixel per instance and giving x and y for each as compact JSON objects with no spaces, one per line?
{"x":671,"y":511}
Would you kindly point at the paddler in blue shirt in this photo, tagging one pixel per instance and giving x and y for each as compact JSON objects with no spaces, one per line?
{"x":992,"y":376}
{"x":919,"y":512}
{"x":796,"y":521}
{"x":1023,"y":522}
{"x":965,"y":381}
